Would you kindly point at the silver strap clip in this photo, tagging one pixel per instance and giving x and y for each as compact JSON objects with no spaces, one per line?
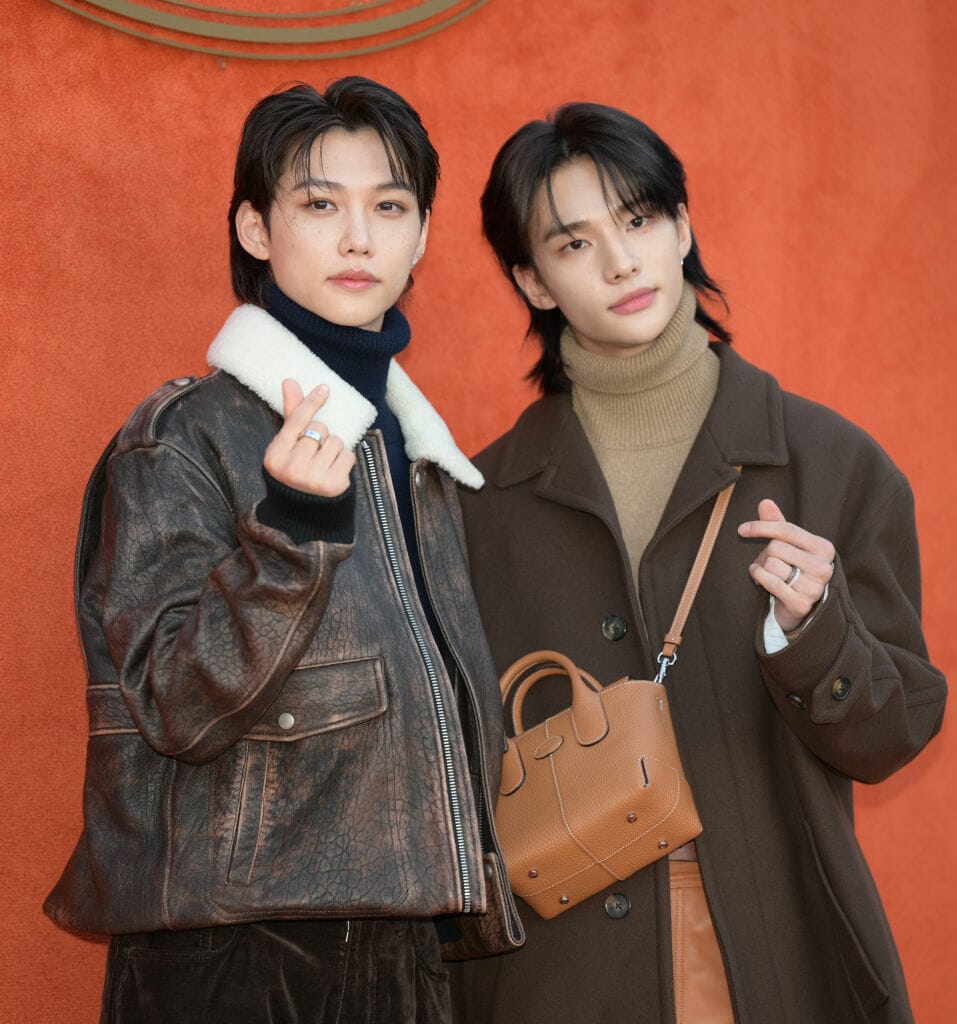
{"x":664,"y":663}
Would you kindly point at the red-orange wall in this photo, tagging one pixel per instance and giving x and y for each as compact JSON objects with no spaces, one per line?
{"x":820,"y":145}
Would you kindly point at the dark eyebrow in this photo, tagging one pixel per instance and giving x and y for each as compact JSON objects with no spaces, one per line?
{"x":624,"y":210}
{"x":558,"y":228}
{"x":324,"y":185}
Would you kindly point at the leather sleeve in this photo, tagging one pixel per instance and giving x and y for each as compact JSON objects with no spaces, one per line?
{"x":205,"y":617}
{"x":856,"y":685}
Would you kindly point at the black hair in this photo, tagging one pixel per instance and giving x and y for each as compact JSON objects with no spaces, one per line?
{"x":633,"y":164}
{"x":279,"y":133}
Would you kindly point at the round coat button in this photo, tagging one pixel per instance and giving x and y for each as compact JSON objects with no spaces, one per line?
{"x":617,"y":905}
{"x":795,"y":699}
{"x":841,"y":688}
{"x":286,"y":721}
{"x":613,"y":627}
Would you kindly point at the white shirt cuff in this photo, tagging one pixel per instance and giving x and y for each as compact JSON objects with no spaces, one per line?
{"x":774,"y":638}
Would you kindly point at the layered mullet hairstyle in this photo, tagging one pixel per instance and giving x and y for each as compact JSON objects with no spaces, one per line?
{"x":635,"y":167}
{"x":279,"y":133}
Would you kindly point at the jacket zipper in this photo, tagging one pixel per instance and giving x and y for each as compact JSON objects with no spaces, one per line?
{"x":437,"y":701}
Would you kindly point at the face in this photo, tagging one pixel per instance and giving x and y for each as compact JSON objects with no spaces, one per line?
{"x":614,"y":273}
{"x":341,"y":244}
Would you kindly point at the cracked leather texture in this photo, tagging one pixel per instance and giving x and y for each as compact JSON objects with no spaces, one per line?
{"x":263,"y":737}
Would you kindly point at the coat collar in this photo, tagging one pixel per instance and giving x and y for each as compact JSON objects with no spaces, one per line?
{"x":258,"y":351}
{"x":744,"y":426}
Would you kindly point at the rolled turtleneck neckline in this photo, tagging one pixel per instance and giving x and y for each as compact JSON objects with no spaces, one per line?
{"x":655,"y":396}
{"x":360,"y":357}
{"x":641,"y":414}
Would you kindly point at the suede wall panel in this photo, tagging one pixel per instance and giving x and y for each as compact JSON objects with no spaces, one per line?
{"x":820,"y":146}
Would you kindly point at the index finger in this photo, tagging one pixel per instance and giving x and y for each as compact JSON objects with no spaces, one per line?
{"x":790,"y":533}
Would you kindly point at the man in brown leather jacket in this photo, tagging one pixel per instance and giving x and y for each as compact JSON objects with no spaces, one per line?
{"x":294,"y":722}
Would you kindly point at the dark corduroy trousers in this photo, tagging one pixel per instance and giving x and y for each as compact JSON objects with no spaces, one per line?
{"x":279,"y":972}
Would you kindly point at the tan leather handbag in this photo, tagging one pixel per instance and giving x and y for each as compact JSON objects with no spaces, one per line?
{"x":595,"y":792}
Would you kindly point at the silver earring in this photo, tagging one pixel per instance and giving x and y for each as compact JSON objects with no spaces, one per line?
{"x":682,"y":261}
{"x":416,"y":258}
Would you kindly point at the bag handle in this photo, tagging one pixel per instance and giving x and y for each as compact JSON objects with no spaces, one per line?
{"x":669,"y":649}
{"x":588,"y":712}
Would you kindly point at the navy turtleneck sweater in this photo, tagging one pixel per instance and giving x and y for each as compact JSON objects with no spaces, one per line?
{"x":361,"y":358}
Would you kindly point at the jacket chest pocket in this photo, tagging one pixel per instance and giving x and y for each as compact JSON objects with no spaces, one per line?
{"x":301,"y":757}
{"x":324,"y":698}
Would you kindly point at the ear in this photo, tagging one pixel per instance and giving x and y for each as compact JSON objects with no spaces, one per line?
{"x":252,"y":232}
{"x":423,"y":236}
{"x":683,"y":224}
{"x":532,"y":288}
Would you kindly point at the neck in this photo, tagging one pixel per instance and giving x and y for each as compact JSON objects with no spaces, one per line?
{"x":649,"y":398}
{"x":641,"y":415}
{"x":359,"y":357}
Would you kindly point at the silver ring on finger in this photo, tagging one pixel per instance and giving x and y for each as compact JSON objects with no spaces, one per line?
{"x":793,"y":576}
{"x":313,"y":435}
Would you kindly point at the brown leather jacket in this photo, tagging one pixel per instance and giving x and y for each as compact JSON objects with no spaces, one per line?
{"x":273,"y":729}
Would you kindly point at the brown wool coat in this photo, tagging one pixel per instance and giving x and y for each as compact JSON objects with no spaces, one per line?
{"x":770,"y":752}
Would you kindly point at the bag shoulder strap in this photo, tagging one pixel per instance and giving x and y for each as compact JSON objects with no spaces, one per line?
{"x":669,"y":649}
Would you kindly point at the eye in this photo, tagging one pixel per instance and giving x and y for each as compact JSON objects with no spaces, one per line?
{"x":575,"y":245}
{"x":320,"y":204}
{"x":391,"y":206}
{"x":638,"y":221}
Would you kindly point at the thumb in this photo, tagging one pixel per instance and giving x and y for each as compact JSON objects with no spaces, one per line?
{"x":291,"y":396}
{"x":768,"y":512}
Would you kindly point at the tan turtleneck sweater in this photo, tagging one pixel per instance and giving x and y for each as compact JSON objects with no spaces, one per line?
{"x":641,"y":415}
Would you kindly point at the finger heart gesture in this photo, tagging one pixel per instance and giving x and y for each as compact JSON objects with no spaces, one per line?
{"x":304,"y":455}
{"x":795,"y":566}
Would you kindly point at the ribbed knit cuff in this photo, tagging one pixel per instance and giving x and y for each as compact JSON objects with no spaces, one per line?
{"x":308,"y":517}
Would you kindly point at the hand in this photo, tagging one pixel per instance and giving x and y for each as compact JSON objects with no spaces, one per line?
{"x":794,"y":555}
{"x":306,"y":463}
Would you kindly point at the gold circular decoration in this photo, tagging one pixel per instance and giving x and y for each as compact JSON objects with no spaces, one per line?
{"x":341,"y":28}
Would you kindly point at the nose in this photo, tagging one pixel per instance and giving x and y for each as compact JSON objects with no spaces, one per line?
{"x":356,"y":238}
{"x":620,"y":260}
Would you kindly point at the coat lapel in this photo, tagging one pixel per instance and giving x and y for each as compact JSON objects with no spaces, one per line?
{"x":744,"y":427}
{"x":258,"y":351}
{"x":548,"y":442}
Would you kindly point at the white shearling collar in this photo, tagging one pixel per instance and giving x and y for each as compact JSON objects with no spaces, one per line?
{"x":259,"y":352}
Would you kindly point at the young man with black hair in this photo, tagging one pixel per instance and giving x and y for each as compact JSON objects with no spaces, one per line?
{"x":295,"y":728}
{"x":802,"y":666}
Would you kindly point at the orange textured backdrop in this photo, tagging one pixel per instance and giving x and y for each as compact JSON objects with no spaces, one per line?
{"x":820,"y":145}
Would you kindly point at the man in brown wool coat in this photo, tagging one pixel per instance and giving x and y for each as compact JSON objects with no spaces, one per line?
{"x":803,"y":666}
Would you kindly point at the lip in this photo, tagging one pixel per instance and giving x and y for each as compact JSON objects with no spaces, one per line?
{"x":634,"y":301}
{"x":354,"y":279}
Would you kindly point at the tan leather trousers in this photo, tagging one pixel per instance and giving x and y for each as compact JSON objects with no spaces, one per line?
{"x":701,"y":987}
